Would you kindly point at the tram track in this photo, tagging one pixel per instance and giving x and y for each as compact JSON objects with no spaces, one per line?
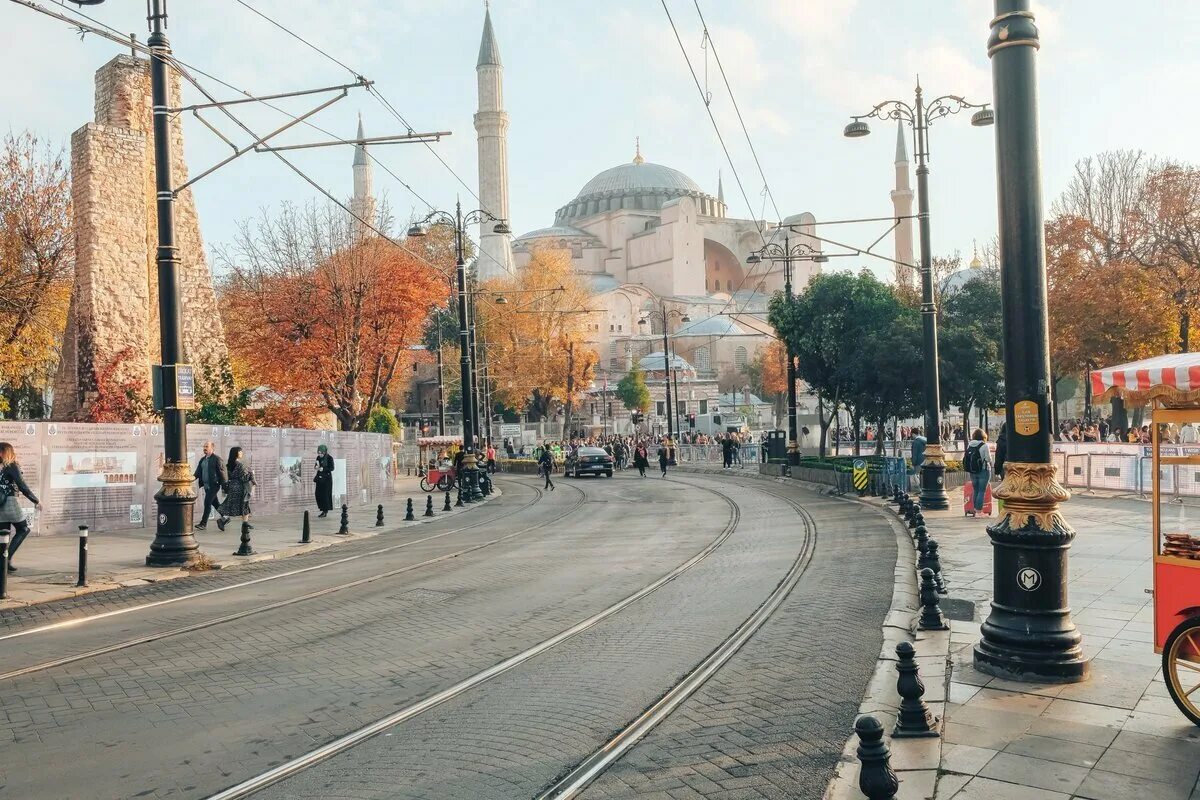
{"x":244,"y":613}
{"x":569,"y":784}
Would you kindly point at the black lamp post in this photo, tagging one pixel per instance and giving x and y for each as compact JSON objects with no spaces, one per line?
{"x":664,"y":315}
{"x":920,"y":116}
{"x":787,"y":254}
{"x":458,"y":221}
{"x":1029,"y":634}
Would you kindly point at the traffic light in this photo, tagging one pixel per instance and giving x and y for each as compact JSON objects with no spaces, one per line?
{"x":636,"y":417}
{"x":691,"y":418}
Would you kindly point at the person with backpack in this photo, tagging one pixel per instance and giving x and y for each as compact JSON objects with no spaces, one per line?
{"x":11,"y":515}
{"x":977,"y":461}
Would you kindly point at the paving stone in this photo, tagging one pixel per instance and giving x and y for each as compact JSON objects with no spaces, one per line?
{"x":1035,"y":772}
{"x":1100,"y":785}
{"x":1060,"y":750}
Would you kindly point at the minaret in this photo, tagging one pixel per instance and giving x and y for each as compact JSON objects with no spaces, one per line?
{"x":902,"y":203}
{"x":362,"y":204}
{"x":491,"y":130}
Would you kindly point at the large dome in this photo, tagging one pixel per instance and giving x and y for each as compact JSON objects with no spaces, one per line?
{"x":633,"y":177}
{"x":640,"y":186}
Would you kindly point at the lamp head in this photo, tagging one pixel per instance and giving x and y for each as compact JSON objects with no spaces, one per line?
{"x":87,"y":2}
{"x":753,"y":258}
{"x":416,"y":230}
{"x":821,"y":259}
{"x":501,"y":227}
{"x":856,"y":129}
{"x":642,"y":322}
{"x":983,"y":117}
{"x":501,"y":300}
{"x":685,"y":318}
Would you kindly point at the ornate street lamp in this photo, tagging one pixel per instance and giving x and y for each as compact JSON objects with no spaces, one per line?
{"x":920,"y":116}
{"x":458,"y":222}
{"x":787,"y":253}
{"x":1029,"y":634}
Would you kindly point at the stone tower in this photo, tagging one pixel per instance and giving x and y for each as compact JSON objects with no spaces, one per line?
{"x":902,"y":203}
{"x":491,"y":130}
{"x":362,"y":204}
{"x":112,"y":321}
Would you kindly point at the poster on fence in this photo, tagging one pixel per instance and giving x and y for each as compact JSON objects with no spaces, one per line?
{"x":294,"y":471}
{"x":95,"y":475}
{"x":25,"y":437}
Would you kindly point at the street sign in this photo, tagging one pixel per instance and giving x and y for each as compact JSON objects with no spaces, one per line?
{"x":860,"y":475}
{"x":510,"y":430}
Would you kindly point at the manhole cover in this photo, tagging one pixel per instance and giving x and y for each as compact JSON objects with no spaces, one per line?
{"x":961,"y":610}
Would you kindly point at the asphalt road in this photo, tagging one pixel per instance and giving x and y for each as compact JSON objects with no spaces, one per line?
{"x":189,"y":713}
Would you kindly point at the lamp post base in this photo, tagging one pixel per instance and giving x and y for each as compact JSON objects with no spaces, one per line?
{"x":1029,"y":635}
{"x":793,"y":453}
{"x":174,"y":545}
{"x":933,"y":480}
{"x":470,"y":479}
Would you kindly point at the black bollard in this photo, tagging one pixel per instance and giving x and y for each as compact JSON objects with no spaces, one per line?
{"x":459,"y":502}
{"x":935,"y":564}
{"x":917,"y":519}
{"x":83,"y":543}
{"x":429,"y":505}
{"x":922,"y":554}
{"x":446,"y":505}
{"x":379,"y":516}
{"x":305,"y":529}
{"x":408,"y":514}
{"x":244,"y":549}
{"x":4,"y":564}
{"x":920,"y":536}
{"x":931,"y":612}
{"x":876,"y":778}
{"x":344,"y":526}
{"x":915,"y":719}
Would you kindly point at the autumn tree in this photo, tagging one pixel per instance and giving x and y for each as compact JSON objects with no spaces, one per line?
{"x":633,"y":392}
{"x":322,"y":311}
{"x":538,"y":353}
{"x":37,"y":262}
{"x":772,"y":361}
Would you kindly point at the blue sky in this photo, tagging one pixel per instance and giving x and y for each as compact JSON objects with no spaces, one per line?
{"x":581,"y":83}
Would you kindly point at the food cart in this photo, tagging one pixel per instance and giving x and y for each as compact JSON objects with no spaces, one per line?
{"x":434,"y":476}
{"x":1171,"y":385}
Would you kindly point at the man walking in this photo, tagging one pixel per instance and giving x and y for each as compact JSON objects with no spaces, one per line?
{"x":211,"y":474}
{"x":546,"y":464}
{"x":918,"y":453}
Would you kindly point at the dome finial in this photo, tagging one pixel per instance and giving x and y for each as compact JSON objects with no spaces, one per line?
{"x":975,"y":262}
{"x":637,"y":156}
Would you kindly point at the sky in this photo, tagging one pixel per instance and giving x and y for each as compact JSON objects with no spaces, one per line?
{"x":583,"y":79}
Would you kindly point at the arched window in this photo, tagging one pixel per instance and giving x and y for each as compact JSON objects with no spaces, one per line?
{"x":703,"y":358}
{"x":740,"y":357}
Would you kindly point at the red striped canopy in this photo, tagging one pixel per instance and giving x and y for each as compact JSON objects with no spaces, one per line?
{"x":1173,"y":377}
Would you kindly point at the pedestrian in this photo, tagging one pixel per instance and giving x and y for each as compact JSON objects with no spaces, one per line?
{"x":323,"y":478}
{"x":546,"y":466}
{"x":664,"y":457}
{"x":491,"y":458}
{"x":1001,"y":449}
{"x":977,"y":460}
{"x":641,"y":459}
{"x":918,"y":452}
{"x":237,"y":490}
{"x":11,"y":515}
{"x":210,"y":473}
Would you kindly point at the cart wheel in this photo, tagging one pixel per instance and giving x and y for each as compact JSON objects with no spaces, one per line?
{"x":426,"y":486}
{"x":1181,"y":667}
{"x":443,"y":483}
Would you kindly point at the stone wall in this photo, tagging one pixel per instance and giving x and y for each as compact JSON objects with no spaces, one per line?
{"x":113,"y":315}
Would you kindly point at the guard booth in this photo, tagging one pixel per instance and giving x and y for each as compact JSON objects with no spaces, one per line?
{"x":777,"y":447}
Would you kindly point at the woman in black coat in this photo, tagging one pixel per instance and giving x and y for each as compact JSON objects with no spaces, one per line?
{"x":237,"y":490}
{"x":11,"y":515}
{"x":641,"y":459}
{"x":324,"y":480}
{"x":664,"y":457}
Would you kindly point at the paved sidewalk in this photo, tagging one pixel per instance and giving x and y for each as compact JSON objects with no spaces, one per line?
{"x":47,"y":565}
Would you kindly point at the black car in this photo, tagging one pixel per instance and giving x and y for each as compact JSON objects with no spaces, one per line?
{"x":588,"y":461}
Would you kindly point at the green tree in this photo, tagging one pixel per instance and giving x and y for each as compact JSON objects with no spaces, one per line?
{"x":633,"y":392}
{"x":217,"y":400}
{"x":381,"y":420}
{"x":970,"y":362}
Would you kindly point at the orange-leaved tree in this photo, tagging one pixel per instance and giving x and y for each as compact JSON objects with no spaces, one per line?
{"x":323,"y":312}
{"x":537,"y":346}
{"x":774,"y":374}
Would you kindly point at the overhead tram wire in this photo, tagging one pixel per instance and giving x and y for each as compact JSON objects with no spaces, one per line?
{"x":185,"y":71}
{"x":736,"y":175}
{"x":387,"y":105}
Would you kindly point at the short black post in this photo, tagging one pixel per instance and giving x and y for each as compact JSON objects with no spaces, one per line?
{"x":935,"y":564}
{"x":244,"y":549}
{"x":915,"y":719}
{"x":917,"y":519}
{"x":305,"y":529}
{"x":83,"y":543}
{"x":429,"y":505}
{"x":4,"y":565}
{"x":344,"y":527}
{"x":876,"y":778}
{"x":931,"y":612}
{"x":409,"y":516}
{"x":446,"y":505}
{"x":379,"y":516}
{"x":919,"y":535}
{"x":923,"y":554}
{"x":459,"y":502}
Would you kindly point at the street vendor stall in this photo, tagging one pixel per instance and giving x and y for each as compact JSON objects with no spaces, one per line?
{"x":436,"y":473}
{"x":1171,"y":385}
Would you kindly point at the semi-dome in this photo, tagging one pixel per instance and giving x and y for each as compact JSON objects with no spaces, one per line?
{"x":712,"y":326}
{"x":557,"y":232}
{"x":638,"y":185}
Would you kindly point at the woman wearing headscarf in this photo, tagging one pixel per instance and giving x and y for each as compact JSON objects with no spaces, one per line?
{"x":237,"y":491}
{"x":323,"y":478}
{"x":11,"y":515}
